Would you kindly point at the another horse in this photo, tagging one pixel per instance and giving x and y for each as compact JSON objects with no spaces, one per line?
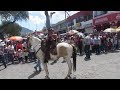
{"x":64,"y":50}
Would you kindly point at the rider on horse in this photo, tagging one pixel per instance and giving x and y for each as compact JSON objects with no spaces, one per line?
{"x":50,"y":45}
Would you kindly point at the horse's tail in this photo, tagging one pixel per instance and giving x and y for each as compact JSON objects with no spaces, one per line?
{"x":74,"y":58}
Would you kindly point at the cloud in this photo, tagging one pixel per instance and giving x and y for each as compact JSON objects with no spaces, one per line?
{"x":39,"y":18}
{"x":60,"y":15}
{"x":36,"y":19}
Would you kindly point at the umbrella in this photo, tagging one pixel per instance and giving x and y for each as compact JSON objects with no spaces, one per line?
{"x":71,"y":32}
{"x":16,"y":38}
{"x":118,"y":29}
{"x":110,"y":30}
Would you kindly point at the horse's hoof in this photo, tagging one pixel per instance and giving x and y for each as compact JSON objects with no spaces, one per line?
{"x":63,"y":62}
{"x":46,"y":77}
{"x":68,"y":77}
{"x":74,"y":77}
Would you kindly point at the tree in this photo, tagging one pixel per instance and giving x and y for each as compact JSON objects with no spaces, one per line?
{"x":11,"y":17}
{"x":11,"y":29}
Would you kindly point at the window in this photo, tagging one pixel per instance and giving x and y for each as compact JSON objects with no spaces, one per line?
{"x":77,"y":20}
{"x":81,"y":18}
{"x":85,"y":18}
{"x":90,"y":17}
{"x":98,"y":13}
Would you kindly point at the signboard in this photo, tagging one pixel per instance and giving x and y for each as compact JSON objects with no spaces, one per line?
{"x":87,"y":24}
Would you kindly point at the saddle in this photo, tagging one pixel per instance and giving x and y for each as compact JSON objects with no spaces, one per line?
{"x":53,"y":51}
{"x":48,"y":47}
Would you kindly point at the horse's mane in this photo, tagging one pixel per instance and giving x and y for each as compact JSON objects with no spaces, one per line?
{"x":36,"y":39}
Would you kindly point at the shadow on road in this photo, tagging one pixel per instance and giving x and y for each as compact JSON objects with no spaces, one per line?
{"x":33,"y":75}
{"x":2,"y":69}
{"x":116,"y":51}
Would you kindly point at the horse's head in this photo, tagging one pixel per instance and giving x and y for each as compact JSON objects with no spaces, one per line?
{"x":29,"y":38}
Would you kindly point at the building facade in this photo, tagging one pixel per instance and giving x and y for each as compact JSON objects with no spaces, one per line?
{"x":88,"y":21}
{"x":60,"y":27}
{"x":106,"y":19}
{"x":81,"y":21}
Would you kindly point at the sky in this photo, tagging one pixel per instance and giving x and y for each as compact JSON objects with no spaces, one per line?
{"x":37,"y":19}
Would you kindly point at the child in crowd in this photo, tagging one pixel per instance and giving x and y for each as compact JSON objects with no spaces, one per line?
{"x":25,"y":53}
{"x":20,"y":56}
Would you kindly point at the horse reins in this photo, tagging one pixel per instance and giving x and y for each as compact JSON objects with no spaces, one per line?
{"x":35,"y":47}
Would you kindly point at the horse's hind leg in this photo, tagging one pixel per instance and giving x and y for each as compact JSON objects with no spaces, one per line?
{"x":46,"y":71}
{"x":70,"y":68}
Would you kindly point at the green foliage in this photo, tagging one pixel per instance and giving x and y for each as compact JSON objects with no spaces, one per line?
{"x":14,"y":15}
{"x":13,"y":29}
{"x":8,"y":19}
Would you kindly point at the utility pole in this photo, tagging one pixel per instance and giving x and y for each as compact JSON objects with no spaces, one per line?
{"x":51,"y":17}
{"x":66,"y":20}
{"x":47,"y":21}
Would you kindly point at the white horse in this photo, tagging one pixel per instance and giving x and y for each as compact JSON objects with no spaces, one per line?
{"x":64,"y":50}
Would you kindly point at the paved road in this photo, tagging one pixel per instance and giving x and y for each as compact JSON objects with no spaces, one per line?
{"x":105,"y":66}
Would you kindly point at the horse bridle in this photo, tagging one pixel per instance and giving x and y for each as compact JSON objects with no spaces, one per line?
{"x":35,"y":47}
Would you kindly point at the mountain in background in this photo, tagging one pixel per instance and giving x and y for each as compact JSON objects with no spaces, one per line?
{"x":25,"y":31}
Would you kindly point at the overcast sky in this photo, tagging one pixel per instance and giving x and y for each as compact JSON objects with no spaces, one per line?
{"x":37,"y":19}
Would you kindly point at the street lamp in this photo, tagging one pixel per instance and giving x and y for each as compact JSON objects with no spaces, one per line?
{"x":51,"y":17}
{"x":66,"y":18}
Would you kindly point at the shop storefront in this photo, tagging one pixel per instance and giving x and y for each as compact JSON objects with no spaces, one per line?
{"x":107,"y":21}
{"x":88,"y":26}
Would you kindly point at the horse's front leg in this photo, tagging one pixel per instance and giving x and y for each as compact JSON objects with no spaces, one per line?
{"x":55,"y":61}
{"x":46,"y":71}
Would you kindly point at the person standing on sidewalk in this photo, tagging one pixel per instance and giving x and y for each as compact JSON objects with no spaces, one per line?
{"x":2,"y":58}
{"x":6,"y":54}
{"x":97,"y":44}
{"x":20,"y":56}
{"x":25,"y":53}
{"x":87,"y":42}
{"x":11,"y":53}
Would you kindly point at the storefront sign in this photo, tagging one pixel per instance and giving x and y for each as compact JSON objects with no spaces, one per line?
{"x":87,"y":25}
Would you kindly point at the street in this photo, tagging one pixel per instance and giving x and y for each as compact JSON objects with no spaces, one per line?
{"x":104,"y":66}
